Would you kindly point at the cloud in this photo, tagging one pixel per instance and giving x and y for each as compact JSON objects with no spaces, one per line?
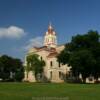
{"x":11,"y":32}
{"x":34,"y":42}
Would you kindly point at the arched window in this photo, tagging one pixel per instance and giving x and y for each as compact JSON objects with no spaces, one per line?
{"x":59,"y":64}
{"x":51,"y":63}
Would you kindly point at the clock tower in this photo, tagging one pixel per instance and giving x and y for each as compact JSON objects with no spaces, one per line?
{"x":50,"y":39}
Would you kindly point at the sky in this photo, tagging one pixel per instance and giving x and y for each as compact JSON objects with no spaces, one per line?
{"x":23,"y":23}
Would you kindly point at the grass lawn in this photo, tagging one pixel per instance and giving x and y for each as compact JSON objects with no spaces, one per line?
{"x":27,"y":91}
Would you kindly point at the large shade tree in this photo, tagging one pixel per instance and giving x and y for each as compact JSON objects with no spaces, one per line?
{"x":83,"y":55}
{"x":11,"y":69}
{"x":35,"y":64}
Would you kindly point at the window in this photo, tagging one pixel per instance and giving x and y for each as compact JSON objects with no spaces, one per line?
{"x":60,"y":75}
{"x":59,"y":64}
{"x":50,"y":75}
{"x":51,"y":64}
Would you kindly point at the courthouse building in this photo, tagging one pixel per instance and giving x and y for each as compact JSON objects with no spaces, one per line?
{"x":53,"y":70}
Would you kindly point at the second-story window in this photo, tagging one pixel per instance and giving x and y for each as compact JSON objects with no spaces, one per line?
{"x":51,"y":63}
{"x":59,"y":64}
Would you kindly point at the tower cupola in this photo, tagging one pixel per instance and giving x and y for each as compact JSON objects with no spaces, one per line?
{"x":50,"y":39}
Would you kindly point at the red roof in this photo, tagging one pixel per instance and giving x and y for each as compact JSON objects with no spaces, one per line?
{"x":53,"y":54}
{"x":45,"y":48}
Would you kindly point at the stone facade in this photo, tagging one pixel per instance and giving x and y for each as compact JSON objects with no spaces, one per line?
{"x":53,"y":70}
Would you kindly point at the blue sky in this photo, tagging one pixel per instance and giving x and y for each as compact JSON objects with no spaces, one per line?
{"x":23,"y":23}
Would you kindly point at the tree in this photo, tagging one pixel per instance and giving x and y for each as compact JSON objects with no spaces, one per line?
{"x":82,"y":62}
{"x":5,"y":69}
{"x":10,"y":67}
{"x":18,"y":70}
{"x":35,"y":64}
{"x":83,"y":55}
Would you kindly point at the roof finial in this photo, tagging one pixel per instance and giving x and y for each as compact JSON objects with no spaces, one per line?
{"x":50,"y":25}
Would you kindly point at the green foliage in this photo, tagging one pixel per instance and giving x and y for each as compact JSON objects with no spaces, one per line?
{"x":35,"y":64}
{"x":9,"y":67}
{"x":83,"y":55}
{"x":82,"y":62}
{"x":19,"y":75}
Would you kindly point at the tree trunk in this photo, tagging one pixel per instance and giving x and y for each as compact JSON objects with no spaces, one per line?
{"x":84,"y":80}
